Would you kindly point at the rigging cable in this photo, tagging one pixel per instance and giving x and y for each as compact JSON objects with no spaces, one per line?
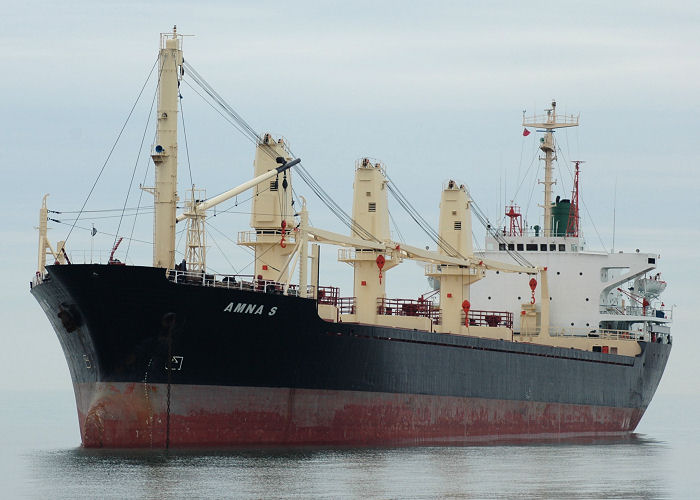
{"x":237,"y":127}
{"x":418,"y":218}
{"x":135,"y":214}
{"x":396,"y":227}
{"x":254,"y":258}
{"x":74,"y":225}
{"x":522,"y":181}
{"x":104,"y":165}
{"x":133,"y":224}
{"x":138,"y":157}
{"x":102,"y":210}
{"x":532,"y":191}
{"x":220,"y":100}
{"x":223,"y":254}
{"x":184,"y":134}
{"x":332,"y":205}
{"x":240,"y":124}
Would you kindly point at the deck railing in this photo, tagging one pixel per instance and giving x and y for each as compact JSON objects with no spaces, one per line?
{"x":408,"y":307}
{"x":489,"y":318}
{"x":603,"y":333}
{"x":232,"y":281}
{"x":346,"y":305}
{"x":328,"y":295}
{"x":637,"y":311}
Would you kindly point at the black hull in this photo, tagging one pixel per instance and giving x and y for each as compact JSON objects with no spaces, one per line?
{"x":120,"y":324}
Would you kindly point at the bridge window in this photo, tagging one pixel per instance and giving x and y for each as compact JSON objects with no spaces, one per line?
{"x":520,"y":247}
{"x":502,"y":247}
{"x":651,"y":260}
{"x":543,"y":247}
{"x":562,"y":247}
{"x":532,"y":247}
{"x":511,"y":246}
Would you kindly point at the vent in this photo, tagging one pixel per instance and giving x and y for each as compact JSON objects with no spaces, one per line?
{"x":458,"y":225}
{"x":273,"y":185}
{"x":372,"y":206}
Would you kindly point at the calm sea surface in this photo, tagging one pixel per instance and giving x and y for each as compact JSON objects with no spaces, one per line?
{"x":40,"y":458}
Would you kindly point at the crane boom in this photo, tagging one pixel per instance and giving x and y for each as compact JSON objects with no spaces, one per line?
{"x":212,"y":202}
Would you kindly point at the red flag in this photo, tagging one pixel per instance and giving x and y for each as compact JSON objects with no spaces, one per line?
{"x":526,"y":132}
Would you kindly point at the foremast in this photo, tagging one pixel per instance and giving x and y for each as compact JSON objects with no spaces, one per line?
{"x":165,"y":151}
{"x":549,"y":123}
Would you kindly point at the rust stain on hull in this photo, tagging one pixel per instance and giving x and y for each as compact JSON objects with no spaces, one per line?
{"x":204,"y":416}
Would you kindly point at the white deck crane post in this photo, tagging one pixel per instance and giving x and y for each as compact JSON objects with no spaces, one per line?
{"x":164,"y":153}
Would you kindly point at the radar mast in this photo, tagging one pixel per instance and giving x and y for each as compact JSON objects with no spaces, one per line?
{"x":549,"y":122}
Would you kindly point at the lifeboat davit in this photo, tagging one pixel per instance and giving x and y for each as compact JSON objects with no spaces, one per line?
{"x":650,"y":288}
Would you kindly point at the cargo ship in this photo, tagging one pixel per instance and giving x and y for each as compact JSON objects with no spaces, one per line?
{"x":504,"y":347}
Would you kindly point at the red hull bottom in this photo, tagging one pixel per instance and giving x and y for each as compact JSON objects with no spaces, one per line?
{"x":114,"y":415}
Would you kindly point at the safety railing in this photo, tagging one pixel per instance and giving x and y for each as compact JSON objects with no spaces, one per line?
{"x":431,"y":269}
{"x":38,"y":279}
{"x":489,"y":318}
{"x":328,"y":295}
{"x":603,"y":333}
{"x":251,"y":237}
{"x":346,"y":305}
{"x":232,"y":281}
{"x":637,"y":311}
{"x":346,"y":254}
{"x":408,"y":307}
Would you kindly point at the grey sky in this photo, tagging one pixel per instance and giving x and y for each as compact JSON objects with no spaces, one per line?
{"x":433,"y":89}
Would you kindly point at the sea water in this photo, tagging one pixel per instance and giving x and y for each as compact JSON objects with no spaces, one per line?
{"x":40,"y":457}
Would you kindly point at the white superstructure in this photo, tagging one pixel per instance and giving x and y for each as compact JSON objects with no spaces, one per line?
{"x":591,"y":292}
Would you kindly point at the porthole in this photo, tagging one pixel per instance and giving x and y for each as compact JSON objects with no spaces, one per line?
{"x":489,"y":297}
{"x":586,"y":299}
{"x":572,"y":324}
{"x":580,"y":274}
{"x":520,"y":298}
{"x":558,"y":273}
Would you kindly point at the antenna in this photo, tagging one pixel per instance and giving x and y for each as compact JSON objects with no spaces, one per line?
{"x":614,"y":210}
{"x":572,"y":227}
